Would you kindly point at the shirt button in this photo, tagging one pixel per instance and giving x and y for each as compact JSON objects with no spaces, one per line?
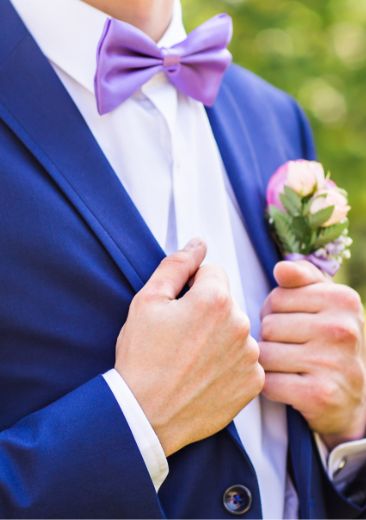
{"x":237,"y":499}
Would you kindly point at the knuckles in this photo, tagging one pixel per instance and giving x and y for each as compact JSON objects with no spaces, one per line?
{"x":344,"y":332}
{"x":252,"y":351}
{"x":357,"y":374}
{"x":145,"y":297}
{"x":216,"y":301}
{"x":241,"y":328}
{"x":220,"y":301}
{"x":329,"y":393}
{"x":342,"y":296}
{"x":255,"y":379}
{"x":275,"y":299}
{"x":347,"y":298}
{"x":218,"y":305}
{"x":259,"y":379}
{"x":267,"y":329}
{"x":325,"y":395}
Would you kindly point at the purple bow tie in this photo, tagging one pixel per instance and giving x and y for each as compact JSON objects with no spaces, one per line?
{"x":127,"y":58}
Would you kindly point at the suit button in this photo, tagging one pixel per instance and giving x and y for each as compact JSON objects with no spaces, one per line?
{"x":237,"y":499}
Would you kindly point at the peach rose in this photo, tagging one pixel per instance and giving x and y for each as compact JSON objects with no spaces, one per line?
{"x":331,"y":197}
{"x":304,"y":177}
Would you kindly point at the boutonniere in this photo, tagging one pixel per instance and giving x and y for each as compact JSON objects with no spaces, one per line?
{"x":307,"y":213}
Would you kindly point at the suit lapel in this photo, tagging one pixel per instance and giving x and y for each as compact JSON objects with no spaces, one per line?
{"x":300,"y":459}
{"x":36,"y":106}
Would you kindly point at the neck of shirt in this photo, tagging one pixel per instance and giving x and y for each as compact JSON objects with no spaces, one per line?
{"x":79,"y":27}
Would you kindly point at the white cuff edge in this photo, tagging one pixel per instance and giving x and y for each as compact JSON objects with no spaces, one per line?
{"x":144,"y":435}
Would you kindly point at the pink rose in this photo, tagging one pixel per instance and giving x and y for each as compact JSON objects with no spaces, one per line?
{"x":304,"y":177}
{"x":275,"y":187}
{"x":331,"y":197}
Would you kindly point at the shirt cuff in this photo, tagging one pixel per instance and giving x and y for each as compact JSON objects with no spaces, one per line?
{"x":344,"y":462}
{"x":144,"y":435}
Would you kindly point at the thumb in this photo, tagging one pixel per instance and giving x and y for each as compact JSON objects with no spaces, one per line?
{"x":175,"y":270}
{"x":291,"y":275}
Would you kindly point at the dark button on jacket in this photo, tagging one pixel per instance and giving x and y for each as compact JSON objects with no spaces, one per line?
{"x":237,"y":499}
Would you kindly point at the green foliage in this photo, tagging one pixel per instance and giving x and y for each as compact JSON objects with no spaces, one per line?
{"x":320,"y":217}
{"x":297,"y":231}
{"x":316,"y":51}
{"x":283,"y":229}
{"x":291,"y":201}
{"x":330,"y":233}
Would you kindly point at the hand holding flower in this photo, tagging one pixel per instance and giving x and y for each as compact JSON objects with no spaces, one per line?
{"x":312,"y":345}
{"x":313,"y":351}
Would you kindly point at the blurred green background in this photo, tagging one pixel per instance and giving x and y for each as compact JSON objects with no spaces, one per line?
{"x":316,"y":51}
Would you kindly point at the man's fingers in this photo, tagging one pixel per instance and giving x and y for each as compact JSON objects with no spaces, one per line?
{"x":288,"y":328}
{"x":210,"y":283}
{"x":282,"y":357}
{"x":290,"y":275}
{"x":310,"y":299}
{"x":176,"y":270}
{"x":290,"y":389}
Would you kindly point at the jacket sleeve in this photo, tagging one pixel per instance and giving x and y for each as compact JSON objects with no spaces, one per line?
{"x":76,"y":458}
{"x":351,"y":503}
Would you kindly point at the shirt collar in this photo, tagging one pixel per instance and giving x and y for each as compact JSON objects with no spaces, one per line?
{"x":68,"y":33}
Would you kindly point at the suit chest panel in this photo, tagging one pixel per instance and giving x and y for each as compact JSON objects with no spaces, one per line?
{"x":63,"y":299}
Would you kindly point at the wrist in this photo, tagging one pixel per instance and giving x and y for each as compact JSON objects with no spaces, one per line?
{"x":355,"y":433}
{"x":158,"y":415}
{"x":169,"y":441}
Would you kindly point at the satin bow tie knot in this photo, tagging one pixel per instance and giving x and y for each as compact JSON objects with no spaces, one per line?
{"x":171,"y":61}
{"x":127,"y":59}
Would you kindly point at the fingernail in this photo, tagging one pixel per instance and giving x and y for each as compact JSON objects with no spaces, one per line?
{"x":193,"y":244}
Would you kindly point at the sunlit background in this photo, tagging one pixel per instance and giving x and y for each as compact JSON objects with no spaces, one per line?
{"x":315,"y":50}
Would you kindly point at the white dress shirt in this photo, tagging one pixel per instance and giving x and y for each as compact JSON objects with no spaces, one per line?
{"x":161,"y":146}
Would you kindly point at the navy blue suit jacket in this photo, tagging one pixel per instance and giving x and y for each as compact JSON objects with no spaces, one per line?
{"x":74,"y":251}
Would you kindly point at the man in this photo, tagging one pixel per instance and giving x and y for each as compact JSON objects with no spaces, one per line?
{"x":90,"y":204}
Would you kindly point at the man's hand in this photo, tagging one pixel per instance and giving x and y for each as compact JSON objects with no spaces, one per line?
{"x":190,"y":362}
{"x":313,"y":351}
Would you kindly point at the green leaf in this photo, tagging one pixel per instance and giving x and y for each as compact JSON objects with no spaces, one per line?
{"x":320,"y":217}
{"x":296,"y":198}
{"x":291,"y":201}
{"x":300,"y":227}
{"x":302,"y":231}
{"x":281,"y":223}
{"x":312,"y":240}
{"x":272,"y":212}
{"x":329,"y":234}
